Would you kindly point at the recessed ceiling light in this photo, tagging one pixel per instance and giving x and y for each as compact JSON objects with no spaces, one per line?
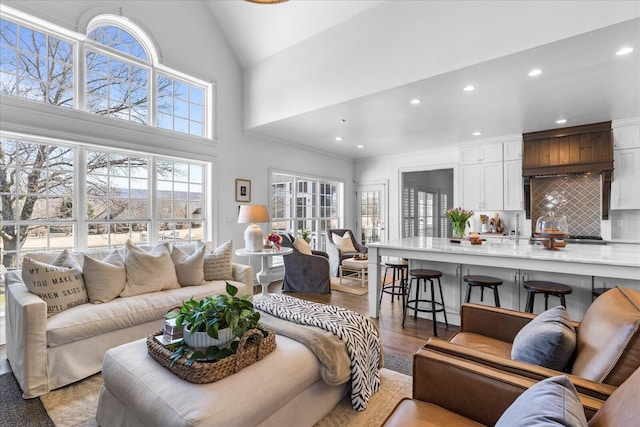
{"x":624,"y":51}
{"x":339,"y":138}
{"x":561,"y":121}
{"x":469,"y":88}
{"x":415,"y":101}
{"x":477,"y":133}
{"x":360,"y":146}
{"x":535,"y":72}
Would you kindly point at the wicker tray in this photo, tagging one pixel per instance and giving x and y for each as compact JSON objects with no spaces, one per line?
{"x":248,"y":353}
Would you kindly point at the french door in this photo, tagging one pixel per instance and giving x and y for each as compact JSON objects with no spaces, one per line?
{"x":371,"y":213}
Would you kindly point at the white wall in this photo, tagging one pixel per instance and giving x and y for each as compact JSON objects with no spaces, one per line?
{"x":190,"y":41}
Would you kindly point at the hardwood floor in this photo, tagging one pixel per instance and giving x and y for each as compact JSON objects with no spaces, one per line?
{"x":396,"y":340}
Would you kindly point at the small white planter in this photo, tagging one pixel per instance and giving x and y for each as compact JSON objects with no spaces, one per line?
{"x":203,"y":340}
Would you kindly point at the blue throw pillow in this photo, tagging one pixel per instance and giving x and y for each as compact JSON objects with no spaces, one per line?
{"x":552,"y":402}
{"x":549,"y":340}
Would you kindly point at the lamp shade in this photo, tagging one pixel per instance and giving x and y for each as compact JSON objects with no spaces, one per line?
{"x":253,"y":234}
{"x":252,"y":214}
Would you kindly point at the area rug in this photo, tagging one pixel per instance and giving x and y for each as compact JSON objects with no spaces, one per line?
{"x":16,"y":411}
{"x":349,"y":286}
{"x":75,"y":405}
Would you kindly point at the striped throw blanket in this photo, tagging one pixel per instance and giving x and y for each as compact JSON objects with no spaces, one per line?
{"x":358,"y":332}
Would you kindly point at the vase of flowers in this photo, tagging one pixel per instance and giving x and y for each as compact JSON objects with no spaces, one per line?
{"x":459,"y":218}
{"x":274,"y":239}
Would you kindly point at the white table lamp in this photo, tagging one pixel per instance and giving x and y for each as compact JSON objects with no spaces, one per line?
{"x":253,"y":234}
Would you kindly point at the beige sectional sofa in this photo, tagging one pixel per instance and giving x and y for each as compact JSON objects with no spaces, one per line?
{"x":46,"y":353}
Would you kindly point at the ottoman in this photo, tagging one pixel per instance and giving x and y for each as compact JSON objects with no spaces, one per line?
{"x":284,"y":388}
{"x":354,"y":268}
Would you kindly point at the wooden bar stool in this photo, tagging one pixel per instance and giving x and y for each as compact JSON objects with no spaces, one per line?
{"x":483,"y":282}
{"x":422,"y":275}
{"x":534,"y":287}
{"x":399,"y":269}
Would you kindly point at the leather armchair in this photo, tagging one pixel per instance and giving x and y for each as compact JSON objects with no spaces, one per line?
{"x":453,"y":391}
{"x":305,"y":273}
{"x":607,"y":349}
{"x":336,"y":255}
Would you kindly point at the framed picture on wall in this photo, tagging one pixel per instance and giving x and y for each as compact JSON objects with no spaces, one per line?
{"x":243,"y":190}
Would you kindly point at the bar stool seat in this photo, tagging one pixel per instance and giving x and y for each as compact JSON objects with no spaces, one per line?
{"x":483,"y":282}
{"x":546,"y":288}
{"x":424,"y":275}
{"x":399,"y":268}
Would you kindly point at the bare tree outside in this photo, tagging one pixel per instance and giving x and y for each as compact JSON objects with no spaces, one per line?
{"x":36,"y":180}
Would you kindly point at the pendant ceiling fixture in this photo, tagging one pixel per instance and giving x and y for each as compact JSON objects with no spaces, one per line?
{"x":266,"y":1}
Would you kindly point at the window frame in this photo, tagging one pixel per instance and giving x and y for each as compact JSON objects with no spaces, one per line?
{"x":80,"y":43}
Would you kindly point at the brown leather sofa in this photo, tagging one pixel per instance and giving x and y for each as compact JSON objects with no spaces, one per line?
{"x":607,"y":347}
{"x":452,"y":391}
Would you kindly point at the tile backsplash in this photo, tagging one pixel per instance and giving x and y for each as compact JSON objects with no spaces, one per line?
{"x":575,"y":196}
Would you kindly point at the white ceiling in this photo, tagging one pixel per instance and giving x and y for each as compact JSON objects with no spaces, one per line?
{"x":582,"y":80}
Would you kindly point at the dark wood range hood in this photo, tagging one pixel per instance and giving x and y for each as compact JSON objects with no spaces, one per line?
{"x":571,"y":150}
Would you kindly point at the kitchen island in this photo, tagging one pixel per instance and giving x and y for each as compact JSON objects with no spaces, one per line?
{"x":581,"y":266}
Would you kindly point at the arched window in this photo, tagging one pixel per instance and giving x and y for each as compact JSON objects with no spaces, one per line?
{"x":115,"y":69}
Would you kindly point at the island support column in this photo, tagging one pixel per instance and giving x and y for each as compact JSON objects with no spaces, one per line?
{"x":374,"y":281}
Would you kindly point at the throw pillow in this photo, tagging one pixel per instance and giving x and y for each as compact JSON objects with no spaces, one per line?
{"x":60,"y":287}
{"x":551,"y":402}
{"x":302,"y":246}
{"x":344,"y":242}
{"x":104,"y":278}
{"x":150,"y":271}
{"x":217,"y":264}
{"x":189,"y":268}
{"x":549,"y":340}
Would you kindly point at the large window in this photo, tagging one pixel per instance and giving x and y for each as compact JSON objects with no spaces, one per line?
{"x":299,"y":203}
{"x":120,"y":75}
{"x":64,"y":196}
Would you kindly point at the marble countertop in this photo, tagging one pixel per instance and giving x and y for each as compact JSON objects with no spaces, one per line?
{"x":627,"y":256}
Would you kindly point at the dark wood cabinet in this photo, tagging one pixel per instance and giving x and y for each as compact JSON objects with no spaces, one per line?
{"x":577,"y":149}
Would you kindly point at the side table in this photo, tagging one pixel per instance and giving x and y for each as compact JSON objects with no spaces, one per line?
{"x":262,"y":276}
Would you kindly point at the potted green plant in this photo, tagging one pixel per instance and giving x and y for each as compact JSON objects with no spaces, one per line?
{"x":220,"y":318}
{"x":305,"y":234}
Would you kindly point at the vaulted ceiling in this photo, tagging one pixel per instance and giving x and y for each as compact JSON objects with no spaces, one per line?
{"x":582,"y":80}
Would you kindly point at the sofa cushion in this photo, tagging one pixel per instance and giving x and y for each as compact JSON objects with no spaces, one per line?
{"x":189,"y":268}
{"x":61,"y":287}
{"x":302,"y":246}
{"x":217,"y":263}
{"x":608,"y":343}
{"x":148,"y":271}
{"x":551,"y":402}
{"x":105,"y":278}
{"x":621,"y":408}
{"x":213,"y":287}
{"x":482,"y":343}
{"x":549,"y":340}
{"x":89,"y":320}
{"x":343,"y":242}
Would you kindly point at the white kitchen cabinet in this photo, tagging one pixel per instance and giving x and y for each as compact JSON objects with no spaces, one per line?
{"x":512,"y":150}
{"x":625,"y":188}
{"x":513,"y":186}
{"x":481,"y":186}
{"x":626,"y":137}
{"x":486,"y":153}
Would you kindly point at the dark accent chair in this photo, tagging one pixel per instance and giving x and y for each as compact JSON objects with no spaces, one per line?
{"x":336,"y":255}
{"x":305,"y":273}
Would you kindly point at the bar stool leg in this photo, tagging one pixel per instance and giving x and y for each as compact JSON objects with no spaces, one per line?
{"x":406,"y":303}
{"x":415,"y":312}
{"x":444,"y":308}
{"x":546,"y":301}
{"x":529,"y":305}
{"x":468,"y":293}
{"x":496,"y":297}
{"x":482,"y":293}
{"x":433,"y":309}
{"x":562,"y":301}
